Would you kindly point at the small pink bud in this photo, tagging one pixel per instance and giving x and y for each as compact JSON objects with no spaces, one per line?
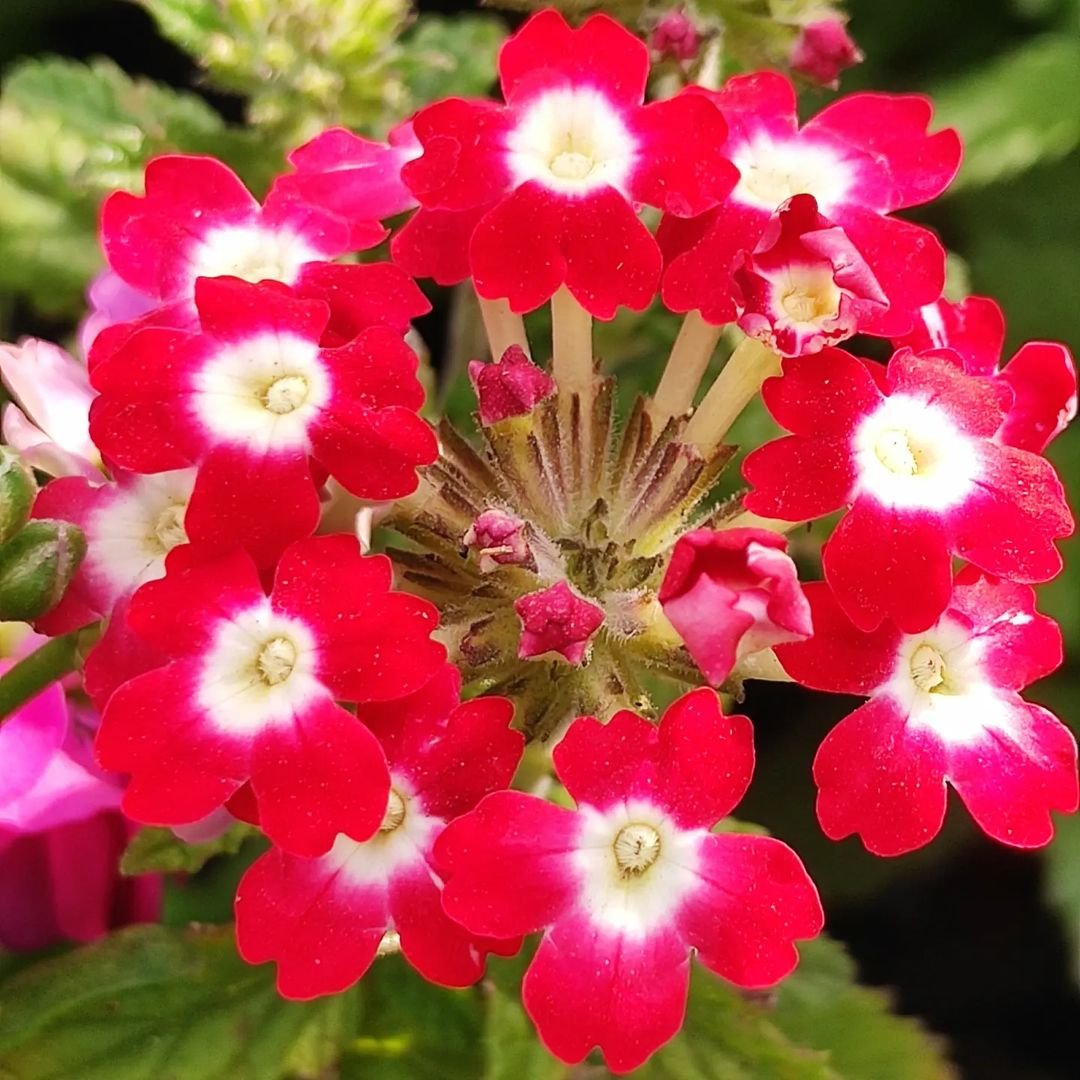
{"x":823,"y":49}
{"x":730,"y":593}
{"x":675,"y":37}
{"x":510,"y":386}
{"x":557,"y":620}
{"x":499,"y":540}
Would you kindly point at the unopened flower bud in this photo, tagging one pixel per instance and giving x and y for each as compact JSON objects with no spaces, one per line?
{"x":675,"y":37}
{"x":823,"y":49}
{"x":36,"y":566}
{"x":557,"y":620}
{"x":511,"y":386}
{"x":499,"y":540}
{"x":17,"y":491}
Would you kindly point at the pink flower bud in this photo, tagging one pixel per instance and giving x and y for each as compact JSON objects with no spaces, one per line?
{"x":675,"y":37}
{"x":499,"y":540}
{"x":731,"y":593}
{"x":823,"y":49}
{"x":510,"y":386}
{"x":557,"y":620}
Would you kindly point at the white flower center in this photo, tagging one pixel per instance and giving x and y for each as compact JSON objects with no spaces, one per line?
{"x":910,"y":454}
{"x":251,"y":253}
{"x":169,"y":527}
{"x":395,"y":812}
{"x":263,"y":392}
{"x":771,"y":172}
{"x":636,"y":848}
{"x":572,"y":140}
{"x":260,"y":670}
{"x":808,"y":295}
{"x":928,"y":669}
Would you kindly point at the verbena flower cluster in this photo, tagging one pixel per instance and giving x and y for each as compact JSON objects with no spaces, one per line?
{"x":247,"y":392}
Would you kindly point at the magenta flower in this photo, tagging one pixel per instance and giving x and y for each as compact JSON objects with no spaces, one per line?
{"x":249,"y":688}
{"x":823,"y":49}
{"x":628,"y":885}
{"x":557,"y":620}
{"x":912,"y":451}
{"x":944,"y":709}
{"x":731,"y":593}
{"x":511,"y":385}
{"x":323,"y":920}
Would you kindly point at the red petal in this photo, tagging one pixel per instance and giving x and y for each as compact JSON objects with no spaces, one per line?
{"x":826,"y":394}
{"x":322,"y":774}
{"x":1043,"y":380}
{"x":882,"y":778}
{"x":974,"y":327}
{"x":587,"y":987}
{"x":435,"y":244}
{"x":231,"y":310}
{"x":756,"y":899}
{"x":797,"y":478}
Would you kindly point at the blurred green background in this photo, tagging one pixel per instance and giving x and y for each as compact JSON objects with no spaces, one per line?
{"x":982,"y":942}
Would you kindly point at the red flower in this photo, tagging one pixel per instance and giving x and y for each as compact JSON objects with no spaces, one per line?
{"x":731,"y":593}
{"x":1042,"y":375}
{"x":823,"y":49}
{"x":255,"y":402}
{"x":944,"y":708}
{"x":557,"y":620}
{"x":805,"y":285}
{"x":628,"y":885}
{"x":322,"y":920}
{"x":249,"y":686}
{"x":130,"y":526}
{"x":499,"y":539}
{"x":861,"y":158}
{"x":551,"y":179}
{"x":911,"y":450}
{"x":509,"y":386}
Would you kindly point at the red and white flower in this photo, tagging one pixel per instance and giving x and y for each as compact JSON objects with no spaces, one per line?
{"x":730,"y":593}
{"x":129,"y":525}
{"x":861,"y":158}
{"x":911,"y":450}
{"x":805,"y":285}
{"x":552,"y":178}
{"x":323,"y":920}
{"x":1041,"y":375}
{"x":626,"y":886}
{"x":258,"y":405}
{"x":249,"y":688}
{"x":944,"y":708}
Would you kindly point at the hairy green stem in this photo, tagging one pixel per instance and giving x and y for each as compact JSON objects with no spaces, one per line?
{"x":33,"y":673}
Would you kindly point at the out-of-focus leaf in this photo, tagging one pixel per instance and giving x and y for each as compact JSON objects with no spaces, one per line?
{"x":512,"y":1049}
{"x":153,"y":1002}
{"x":161,"y":851}
{"x":1062,"y":860}
{"x":412,"y":1030}
{"x":445,"y":57}
{"x":1021,"y":109}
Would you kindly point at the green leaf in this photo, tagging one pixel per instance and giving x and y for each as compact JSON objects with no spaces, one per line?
{"x":161,"y":851}
{"x":1062,"y":860}
{"x":451,"y":57}
{"x":411,"y":1030}
{"x":155,"y":1004}
{"x":512,"y":1049}
{"x":1019,"y":110}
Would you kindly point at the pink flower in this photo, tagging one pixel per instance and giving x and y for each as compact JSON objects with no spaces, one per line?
{"x":944,"y":708}
{"x":256,"y":403}
{"x":499,"y":540}
{"x":823,"y":49}
{"x":675,"y":36}
{"x":322,"y":920}
{"x":554,"y":176}
{"x":911,"y":451}
{"x":355,"y":178}
{"x":61,"y":835}
{"x":805,"y":285}
{"x":731,"y":593}
{"x":48,"y":420}
{"x":627,"y":886}
{"x":557,"y":620}
{"x":130,"y":525}
{"x":510,"y":386}
{"x":112,"y":300}
{"x":861,"y":158}
{"x":1042,"y":375}
{"x":249,"y":687}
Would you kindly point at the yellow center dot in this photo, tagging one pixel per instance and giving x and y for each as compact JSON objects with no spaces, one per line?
{"x":636,"y":848}
{"x":285,"y":395}
{"x":896,"y":451}
{"x":571,"y":165}
{"x":395,"y":812}
{"x":928,"y":668}
{"x":276,"y":661}
{"x":169,"y":527}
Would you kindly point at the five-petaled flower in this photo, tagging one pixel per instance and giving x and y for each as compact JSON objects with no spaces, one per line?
{"x":944,"y":708}
{"x":626,"y":886}
{"x":911,"y":449}
{"x":323,"y":920}
{"x":549,"y":183}
{"x":250,"y":684}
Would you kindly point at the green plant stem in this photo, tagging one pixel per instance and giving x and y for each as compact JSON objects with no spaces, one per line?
{"x":33,"y":673}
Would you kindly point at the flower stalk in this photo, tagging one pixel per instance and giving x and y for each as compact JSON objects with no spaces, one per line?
{"x":690,"y":356}
{"x":503,"y":327}
{"x":571,"y":343}
{"x":55,"y":659}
